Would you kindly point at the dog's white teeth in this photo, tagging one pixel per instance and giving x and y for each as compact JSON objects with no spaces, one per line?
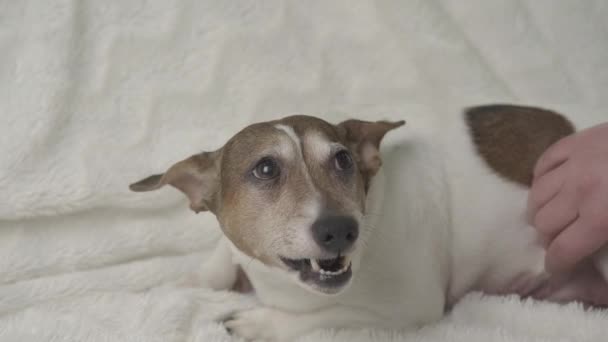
{"x":333,"y":273}
{"x":340,"y":271}
{"x":315,"y":265}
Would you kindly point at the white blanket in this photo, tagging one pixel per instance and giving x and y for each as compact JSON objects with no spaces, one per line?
{"x":97,"y":94}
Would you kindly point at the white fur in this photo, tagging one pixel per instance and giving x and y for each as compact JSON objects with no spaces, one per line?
{"x":319,"y":146}
{"x":219,"y":270}
{"x":288,"y":148}
{"x":292,"y":135}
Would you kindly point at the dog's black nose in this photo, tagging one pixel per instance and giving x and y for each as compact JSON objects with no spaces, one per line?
{"x":335,"y":234}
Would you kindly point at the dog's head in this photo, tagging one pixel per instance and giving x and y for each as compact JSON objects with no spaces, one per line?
{"x":290,"y":193}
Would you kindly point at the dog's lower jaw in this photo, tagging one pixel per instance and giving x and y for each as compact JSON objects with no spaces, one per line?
{"x":321,"y":291}
{"x":327,"y":276}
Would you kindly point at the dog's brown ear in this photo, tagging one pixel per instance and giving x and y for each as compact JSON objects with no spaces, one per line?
{"x":197,"y":177}
{"x":363,"y":138}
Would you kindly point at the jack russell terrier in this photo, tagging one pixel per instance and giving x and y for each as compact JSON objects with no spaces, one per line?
{"x":328,"y":238}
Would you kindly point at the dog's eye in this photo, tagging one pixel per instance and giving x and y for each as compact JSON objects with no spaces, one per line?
{"x":266,"y":169}
{"x":343,"y":160}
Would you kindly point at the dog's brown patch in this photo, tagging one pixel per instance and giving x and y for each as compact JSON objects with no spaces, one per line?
{"x":512,"y":138}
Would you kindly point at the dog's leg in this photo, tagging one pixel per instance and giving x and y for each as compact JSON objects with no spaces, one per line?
{"x":218,"y":271}
{"x":272,"y":325}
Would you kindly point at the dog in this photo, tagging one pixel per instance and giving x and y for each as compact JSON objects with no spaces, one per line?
{"x":334,"y":231}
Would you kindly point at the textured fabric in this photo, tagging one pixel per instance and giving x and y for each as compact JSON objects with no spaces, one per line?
{"x":97,"y":94}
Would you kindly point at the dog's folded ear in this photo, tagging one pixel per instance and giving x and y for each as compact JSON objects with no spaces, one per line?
{"x":363,"y":138}
{"x":197,"y":177}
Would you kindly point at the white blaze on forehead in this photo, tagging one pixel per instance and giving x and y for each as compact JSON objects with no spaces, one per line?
{"x":290,"y":133}
{"x":319,"y":146}
{"x":298,"y":146}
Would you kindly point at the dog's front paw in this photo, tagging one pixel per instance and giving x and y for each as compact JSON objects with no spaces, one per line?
{"x":258,"y":324}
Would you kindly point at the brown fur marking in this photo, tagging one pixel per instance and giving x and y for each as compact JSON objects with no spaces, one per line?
{"x":512,"y":138}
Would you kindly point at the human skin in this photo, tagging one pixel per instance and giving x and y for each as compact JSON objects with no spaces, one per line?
{"x":568,"y":200}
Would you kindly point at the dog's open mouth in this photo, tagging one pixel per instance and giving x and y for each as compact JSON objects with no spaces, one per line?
{"x":328,"y":275}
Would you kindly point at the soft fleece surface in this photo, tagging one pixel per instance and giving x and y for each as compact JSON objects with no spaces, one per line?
{"x":97,"y":94}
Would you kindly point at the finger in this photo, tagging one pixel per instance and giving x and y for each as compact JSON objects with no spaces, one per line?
{"x":543,"y":190}
{"x":554,"y":156}
{"x":577,"y":242}
{"x":557,"y":214}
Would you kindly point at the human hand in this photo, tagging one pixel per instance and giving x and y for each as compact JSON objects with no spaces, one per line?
{"x":568,"y":201}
